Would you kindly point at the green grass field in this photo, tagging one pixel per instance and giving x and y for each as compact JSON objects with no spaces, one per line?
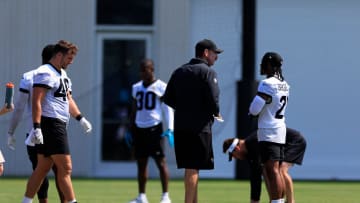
{"x":210,"y":191}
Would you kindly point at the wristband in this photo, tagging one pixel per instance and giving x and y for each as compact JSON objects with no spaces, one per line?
{"x":36,"y":125}
{"x":79,"y":117}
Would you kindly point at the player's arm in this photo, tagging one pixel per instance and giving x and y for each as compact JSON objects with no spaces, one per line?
{"x":21,"y":100}
{"x":39,"y":93}
{"x":73,"y":107}
{"x":262,"y":97}
{"x":257,"y":105}
{"x":5,"y":109}
{"x":75,"y":113}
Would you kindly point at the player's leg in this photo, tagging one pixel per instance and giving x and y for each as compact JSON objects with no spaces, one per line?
{"x":191,"y":180}
{"x":266,"y":180}
{"x":157,"y":153}
{"x":57,"y":147}
{"x":142,"y":174}
{"x":289,"y":187}
{"x":42,"y":194}
{"x":43,"y":167}
{"x":61,"y":195}
{"x":275,"y":179}
{"x":164,"y":177}
{"x":43,"y":191}
{"x":271,"y":154}
{"x":64,"y":168}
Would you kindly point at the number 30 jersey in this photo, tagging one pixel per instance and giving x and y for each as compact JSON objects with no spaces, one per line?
{"x":273,"y":113}
{"x":149,"y":105}
{"x":55,"y":103}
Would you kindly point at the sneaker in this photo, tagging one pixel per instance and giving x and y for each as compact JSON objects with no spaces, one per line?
{"x":165,"y":199}
{"x":139,"y":200}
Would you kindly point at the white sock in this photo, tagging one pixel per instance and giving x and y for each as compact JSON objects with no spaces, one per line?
{"x":27,"y":200}
{"x":142,"y":195}
{"x":276,"y":201}
{"x":165,"y":194}
{"x":73,"y":201}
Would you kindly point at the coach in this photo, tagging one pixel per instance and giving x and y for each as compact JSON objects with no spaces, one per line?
{"x":193,"y":93}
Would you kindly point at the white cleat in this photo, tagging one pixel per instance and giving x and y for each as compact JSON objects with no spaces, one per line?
{"x":165,"y":200}
{"x":139,"y":200}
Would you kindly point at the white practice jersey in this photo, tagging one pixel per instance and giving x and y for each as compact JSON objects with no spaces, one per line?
{"x":26,"y":86}
{"x":149,"y":106}
{"x":272,"y":115}
{"x":55,"y":103}
{"x":23,"y":101}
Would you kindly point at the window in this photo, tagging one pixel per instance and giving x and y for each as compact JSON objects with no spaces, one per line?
{"x":120,"y":70}
{"x":125,"y":12}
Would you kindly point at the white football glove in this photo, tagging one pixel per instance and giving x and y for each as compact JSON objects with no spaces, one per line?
{"x":11,"y":141}
{"x":86,"y":125}
{"x":35,"y":137}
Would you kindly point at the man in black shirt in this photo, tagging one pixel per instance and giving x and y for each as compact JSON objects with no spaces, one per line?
{"x":193,"y":93}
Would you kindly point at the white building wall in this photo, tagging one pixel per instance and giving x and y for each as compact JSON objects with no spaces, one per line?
{"x":26,"y":27}
{"x":221,"y":22}
{"x":318,"y":41}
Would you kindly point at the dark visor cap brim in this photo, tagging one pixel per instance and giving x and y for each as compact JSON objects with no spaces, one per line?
{"x":218,"y":51}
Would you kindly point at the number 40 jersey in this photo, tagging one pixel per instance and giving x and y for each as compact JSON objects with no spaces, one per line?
{"x":55,"y":103}
{"x":149,"y":106}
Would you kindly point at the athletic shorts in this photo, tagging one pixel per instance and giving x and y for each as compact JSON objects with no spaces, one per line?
{"x":295,"y":150}
{"x":32,"y":151}
{"x":194,"y":150}
{"x":55,"y":137}
{"x":271,"y":151}
{"x":148,"y":142}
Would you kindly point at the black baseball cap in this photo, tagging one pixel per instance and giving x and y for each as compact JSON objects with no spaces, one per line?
{"x":207,"y":44}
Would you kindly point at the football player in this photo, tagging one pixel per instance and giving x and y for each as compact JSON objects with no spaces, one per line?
{"x":269,"y":105}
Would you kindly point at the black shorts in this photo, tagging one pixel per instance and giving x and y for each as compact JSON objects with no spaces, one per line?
{"x":55,"y":137}
{"x":295,"y":150}
{"x":271,"y":151}
{"x":194,"y":150}
{"x":148,"y":142}
{"x":32,"y":153}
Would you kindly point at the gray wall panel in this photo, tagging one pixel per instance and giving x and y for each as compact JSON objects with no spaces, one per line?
{"x":27,"y":26}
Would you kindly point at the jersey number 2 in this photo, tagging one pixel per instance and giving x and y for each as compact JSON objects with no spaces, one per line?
{"x":279,"y":113}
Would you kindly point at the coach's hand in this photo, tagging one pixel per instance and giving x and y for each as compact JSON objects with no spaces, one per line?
{"x":11,"y":141}
{"x":170,"y":136}
{"x":86,"y":125}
